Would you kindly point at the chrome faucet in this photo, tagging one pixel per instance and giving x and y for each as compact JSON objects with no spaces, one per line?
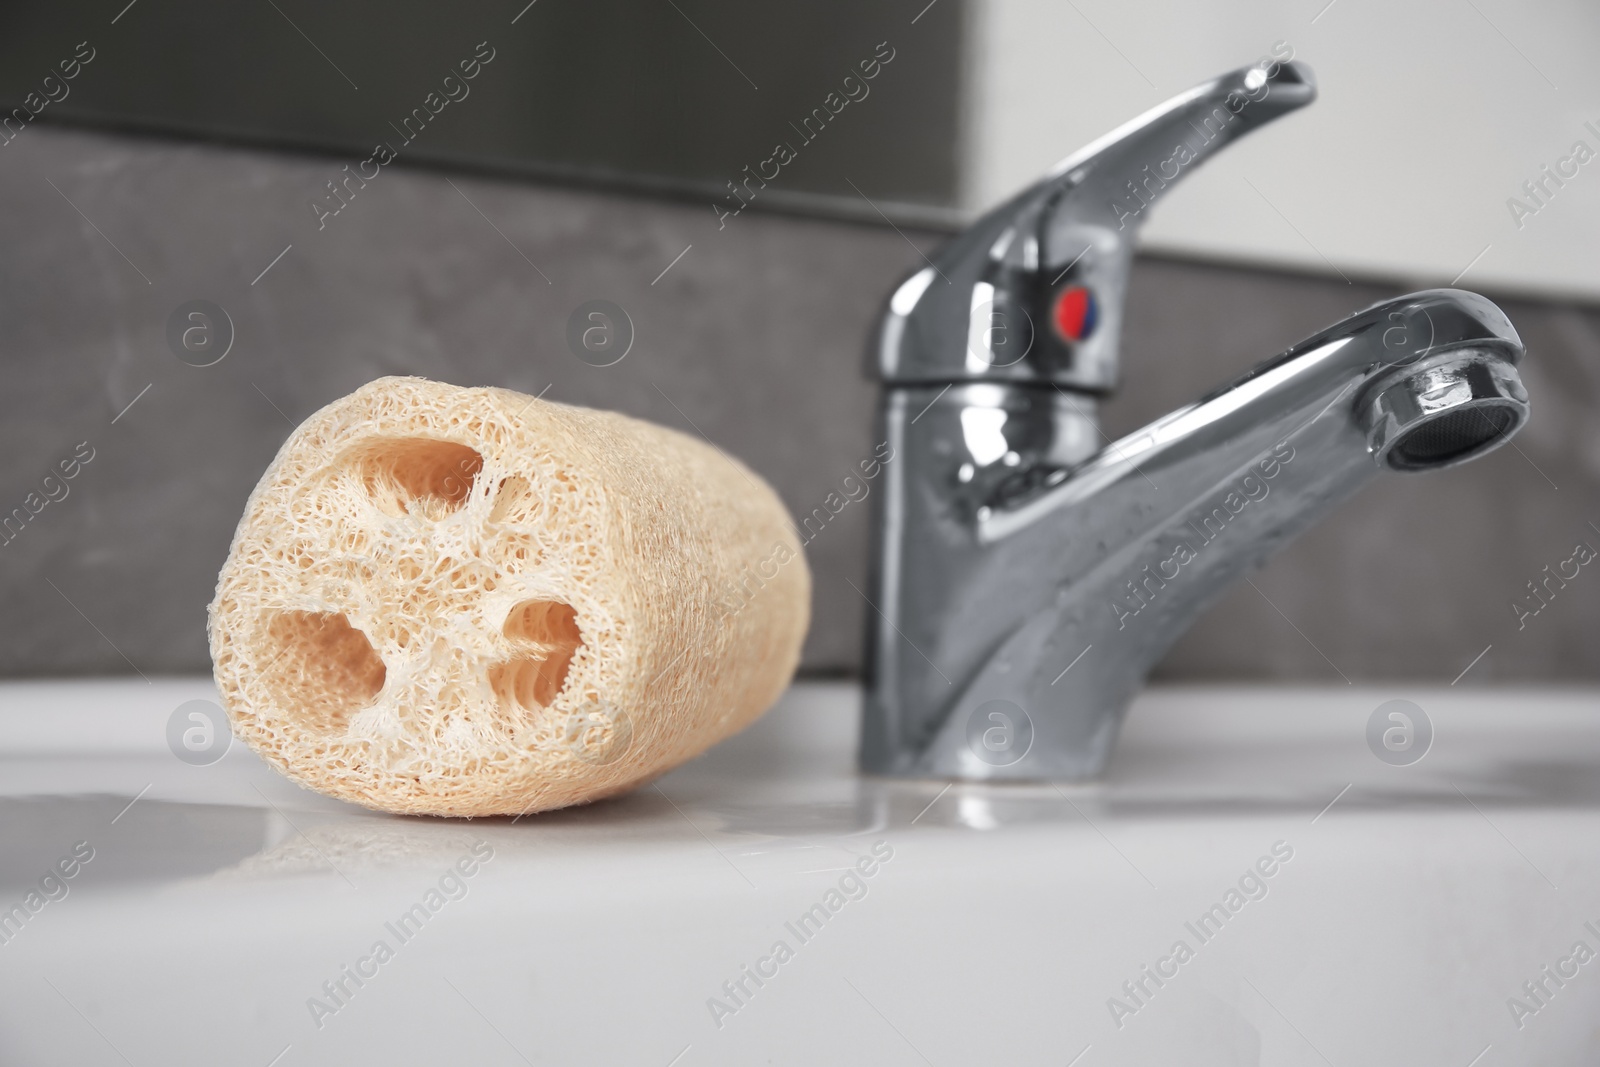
{"x":1027,"y":578}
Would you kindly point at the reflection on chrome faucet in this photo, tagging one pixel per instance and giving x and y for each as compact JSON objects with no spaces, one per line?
{"x":1208,"y":525}
{"x":1005,"y":528}
{"x":1256,"y":85}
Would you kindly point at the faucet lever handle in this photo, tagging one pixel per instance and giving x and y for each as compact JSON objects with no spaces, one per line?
{"x":1033,"y":291}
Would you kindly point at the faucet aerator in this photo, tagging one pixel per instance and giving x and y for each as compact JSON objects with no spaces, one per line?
{"x":1466,"y":405}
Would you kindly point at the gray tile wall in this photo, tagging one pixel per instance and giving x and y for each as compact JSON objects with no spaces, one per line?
{"x":754,"y":338}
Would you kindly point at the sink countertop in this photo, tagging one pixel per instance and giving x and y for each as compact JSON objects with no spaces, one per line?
{"x":222,"y":908}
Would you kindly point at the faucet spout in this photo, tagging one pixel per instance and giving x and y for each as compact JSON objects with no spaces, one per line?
{"x":1030,"y":581}
{"x":1451,"y":345}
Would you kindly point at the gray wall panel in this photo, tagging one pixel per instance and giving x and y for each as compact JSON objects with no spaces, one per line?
{"x":754,"y":338}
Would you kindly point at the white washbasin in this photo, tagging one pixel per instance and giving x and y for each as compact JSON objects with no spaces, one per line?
{"x":996,"y":926}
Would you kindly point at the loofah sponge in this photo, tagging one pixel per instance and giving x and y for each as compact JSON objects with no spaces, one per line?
{"x":472,"y":602}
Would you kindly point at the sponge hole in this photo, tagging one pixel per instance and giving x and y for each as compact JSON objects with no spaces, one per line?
{"x":515,"y":502}
{"x":547,"y":634}
{"x":418,"y":475}
{"x":548,"y":623}
{"x":529,"y":682}
{"x":321,"y":669}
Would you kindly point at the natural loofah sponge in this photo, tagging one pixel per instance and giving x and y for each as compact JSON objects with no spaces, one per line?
{"x":473,"y":602}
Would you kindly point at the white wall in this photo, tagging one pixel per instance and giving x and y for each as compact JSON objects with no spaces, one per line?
{"x":1431,"y":114}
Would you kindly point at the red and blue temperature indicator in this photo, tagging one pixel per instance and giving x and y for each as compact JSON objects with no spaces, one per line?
{"x":1076,"y":313}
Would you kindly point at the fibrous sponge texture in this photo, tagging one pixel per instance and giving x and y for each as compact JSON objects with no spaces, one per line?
{"x":473,"y":602}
